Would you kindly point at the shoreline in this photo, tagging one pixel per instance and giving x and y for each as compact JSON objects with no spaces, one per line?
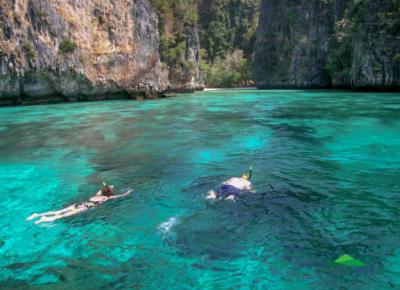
{"x":146,"y":96}
{"x":365,"y":89}
{"x":25,"y":100}
{"x":239,"y":89}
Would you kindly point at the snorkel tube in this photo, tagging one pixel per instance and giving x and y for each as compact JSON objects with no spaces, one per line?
{"x":248,"y":175}
{"x":250,"y":172}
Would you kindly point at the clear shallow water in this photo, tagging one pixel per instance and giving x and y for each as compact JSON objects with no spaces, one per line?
{"x":327,"y":167}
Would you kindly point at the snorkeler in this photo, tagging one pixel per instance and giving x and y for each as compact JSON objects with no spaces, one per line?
{"x":103,"y":195}
{"x":233,"y":187}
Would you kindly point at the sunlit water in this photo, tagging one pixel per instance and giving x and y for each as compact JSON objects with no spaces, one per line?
{"x":326,"y":171}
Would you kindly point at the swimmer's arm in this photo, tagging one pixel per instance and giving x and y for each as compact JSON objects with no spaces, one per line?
{"x":121,"y":195}
{"x":211,"y":195}
{"x":231,"y":197}
{"x":250,"y":188}
{"x":229,"y":181}
{"x":98,"y":193}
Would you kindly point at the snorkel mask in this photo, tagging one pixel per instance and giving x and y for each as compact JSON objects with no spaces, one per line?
{"x":248,"y":176}
{"x":107,"y":187}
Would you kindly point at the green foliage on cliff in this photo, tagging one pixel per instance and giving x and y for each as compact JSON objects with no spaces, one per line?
{"x":232,"y":70}
{"x":290,"y":17}
{"x":339,"y":60}
{"x":227,"y":25}
{"x":28,"y":48}
{"x":363,"y":19}
{"x":228,"y":33}
{"x":67,"y":46}
{"x":175,"y":18}
{"x":396,"y":59}
{"x":172,"y":50}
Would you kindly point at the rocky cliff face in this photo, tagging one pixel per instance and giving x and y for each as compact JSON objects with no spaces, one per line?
{"x":188,"y":77}
{"x":179,"y":43}
{"x":192,"y":57}
{"x":293,"y":44}
{"x":63,"y":50}
{"x":320,"y":44}
{"x":373,"y":30}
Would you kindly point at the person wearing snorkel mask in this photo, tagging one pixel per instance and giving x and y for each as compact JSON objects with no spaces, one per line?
{"x":233,"y":187}
{"x":103,"y":195}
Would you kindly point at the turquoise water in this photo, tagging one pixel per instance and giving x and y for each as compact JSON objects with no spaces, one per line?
{"x":326,"y":171}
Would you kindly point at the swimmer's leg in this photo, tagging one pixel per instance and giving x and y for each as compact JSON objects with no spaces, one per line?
{"x":211,"y":195}
{"x":51,"y":213}
{"x":231,"y":197}
{"x":60,"y":216}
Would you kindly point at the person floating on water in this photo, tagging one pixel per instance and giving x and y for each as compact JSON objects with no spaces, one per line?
{"x":103,"y":195}
{"x":233,"y":187}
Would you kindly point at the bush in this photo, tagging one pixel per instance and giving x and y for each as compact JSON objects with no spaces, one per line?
{"x":340,"y":58}
{"x":67,"y":46}
{"x":231,"y":71}
{"x":28,"y":48}
{"x":172,"y":50}
{"x":339,"y":62}
{"x":291,"y":17}
{"x":396,"y":59}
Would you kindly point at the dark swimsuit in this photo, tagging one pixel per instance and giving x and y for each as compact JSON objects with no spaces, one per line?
{"x":226,"y":190}
{"x":88,"y":204}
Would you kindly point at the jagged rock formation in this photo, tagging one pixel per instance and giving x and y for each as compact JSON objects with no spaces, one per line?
{"x":192,"y":57}
{"x":179,"y":43}
{"x":373,"y":38}
{"x":293,"y":44}
{"x":320,"y":44}
{"x":188,"y":77}
{"x":62,"y":50}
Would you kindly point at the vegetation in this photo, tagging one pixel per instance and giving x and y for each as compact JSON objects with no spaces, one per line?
{"x":228,"y":33}
{"x":67,"y":46}
{"x":339,"y":61}
{"x":232,"y":70}
{"x":291,"y":17}
{"x":175,"y":18}
{"x":28,"y":48}
{"x":227,"y":30}
{"x":396,"y":59}
{"x":359,"y":20}
{"x":227,"y":25}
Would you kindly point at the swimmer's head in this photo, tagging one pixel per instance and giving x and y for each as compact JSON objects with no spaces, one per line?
{"x":247,"y":176}
{"x":107,"y":190}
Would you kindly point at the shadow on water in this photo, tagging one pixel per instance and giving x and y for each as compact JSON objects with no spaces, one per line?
{"x":286,"y":222}
{"x":220,"y":229}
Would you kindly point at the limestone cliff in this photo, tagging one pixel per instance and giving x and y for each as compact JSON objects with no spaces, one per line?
{"x":179,"y":43}
{"x":192,"y":57}
{"x":188,"y":76}
{"x":61,"y":50}
{"x":373,"y":34}
{"x":322,"y":44}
